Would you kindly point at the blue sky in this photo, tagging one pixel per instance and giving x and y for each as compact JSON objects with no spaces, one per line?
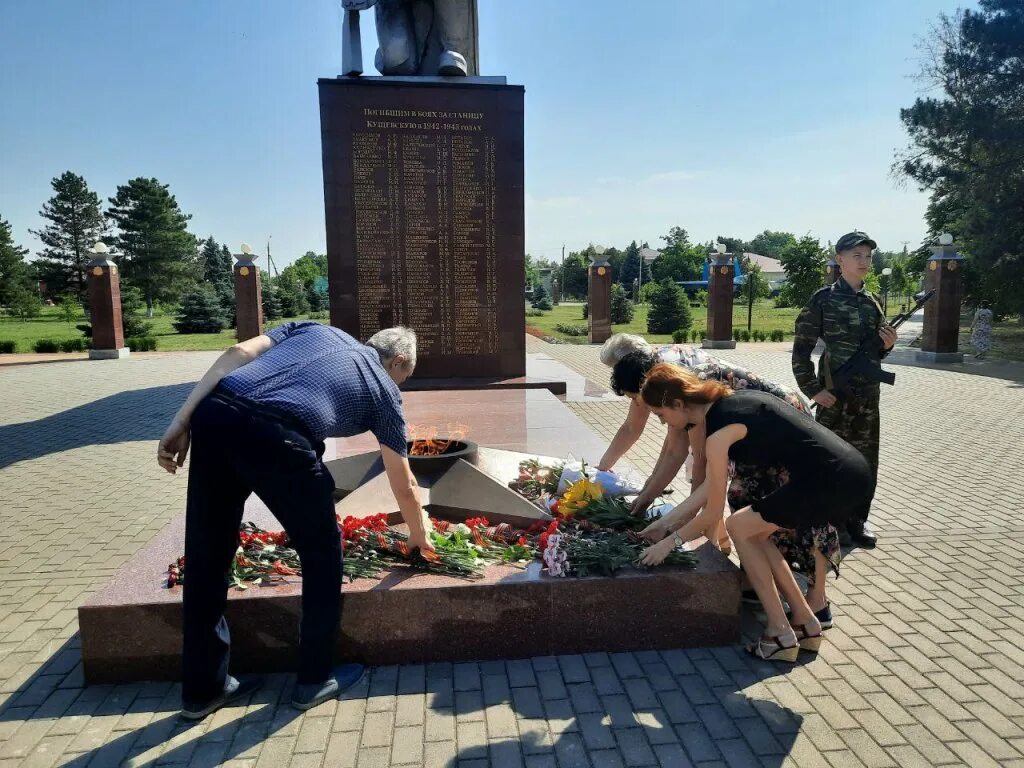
{"x":723,"y":117}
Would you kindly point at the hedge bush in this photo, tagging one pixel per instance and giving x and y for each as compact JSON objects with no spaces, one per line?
{"x":46,"y":345}
{"x":571,"y":330}
{"x":141,"y":343}
{"x":7,"y":347}
{"x":73,"y":345}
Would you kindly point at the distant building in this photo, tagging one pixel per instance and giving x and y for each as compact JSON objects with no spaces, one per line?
{"x":649,"y":255}
{"x":771,"y":270}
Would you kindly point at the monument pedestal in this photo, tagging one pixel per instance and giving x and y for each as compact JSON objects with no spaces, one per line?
{"x":941,"y":358}
{"x":832,"y":270}
{"x":105,"y":310}
{"x":720,"y":291}
{"x":940,"y":337}
{"x":599,"y":298}
{"x":109,"y":354}
{"x":424,"y":200}
{"x":248,"y":298}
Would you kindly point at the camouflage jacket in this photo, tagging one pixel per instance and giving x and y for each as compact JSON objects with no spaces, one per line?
{"x":844,"y":319}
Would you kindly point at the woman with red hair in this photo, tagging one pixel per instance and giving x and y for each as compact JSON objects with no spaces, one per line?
{"x":826,"y":479}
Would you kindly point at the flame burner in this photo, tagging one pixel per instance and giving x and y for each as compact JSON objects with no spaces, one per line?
{"x":465,"y":480}
{"x":450,"y":452}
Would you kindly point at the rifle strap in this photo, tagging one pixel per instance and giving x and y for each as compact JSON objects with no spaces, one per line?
{"x":878,"y":306}
{"x":826,"y":359}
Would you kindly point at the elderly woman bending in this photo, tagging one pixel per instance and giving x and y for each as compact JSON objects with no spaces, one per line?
{"x":627,"y":378}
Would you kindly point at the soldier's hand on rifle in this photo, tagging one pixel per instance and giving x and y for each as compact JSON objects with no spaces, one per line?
{"x":825,"y":399}
{"x":888,"y":335}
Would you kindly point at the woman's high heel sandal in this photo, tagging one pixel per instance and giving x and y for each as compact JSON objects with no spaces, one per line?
{"x":773,"y":649}
{"x":806,"y":641}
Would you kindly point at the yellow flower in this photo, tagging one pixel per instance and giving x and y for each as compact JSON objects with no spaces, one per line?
{"x":579,"y":495}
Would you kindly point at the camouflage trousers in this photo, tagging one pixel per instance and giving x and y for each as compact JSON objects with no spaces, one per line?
{"x":856,"y":420}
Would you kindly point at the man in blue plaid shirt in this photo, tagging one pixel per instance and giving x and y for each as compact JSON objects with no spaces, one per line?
{"x":256,"y":423}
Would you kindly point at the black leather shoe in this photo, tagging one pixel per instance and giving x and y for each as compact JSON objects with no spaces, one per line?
{"x":233,"y":689}
{"x":862,"y":535}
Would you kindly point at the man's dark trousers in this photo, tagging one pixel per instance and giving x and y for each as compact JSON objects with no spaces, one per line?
{"x":238,"y":448}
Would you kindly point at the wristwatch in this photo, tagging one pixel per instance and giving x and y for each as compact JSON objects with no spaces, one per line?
{"x":678,"y":542}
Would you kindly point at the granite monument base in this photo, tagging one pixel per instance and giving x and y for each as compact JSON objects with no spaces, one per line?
{"x":939,"y":357}
{"x":718,"y":344}
{"x":109,"y":354}
{"x":131,"y":628}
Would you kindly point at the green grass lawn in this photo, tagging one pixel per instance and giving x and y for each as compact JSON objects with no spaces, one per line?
{"x":765,"y":318}
{"x":49,"y":325}
{"x":1007,"y":336}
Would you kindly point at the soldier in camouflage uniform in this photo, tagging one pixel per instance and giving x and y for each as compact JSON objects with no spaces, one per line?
{"x":844,"y":315}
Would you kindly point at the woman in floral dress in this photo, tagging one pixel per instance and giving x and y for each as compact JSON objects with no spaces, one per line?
{"x":981,"y":330}
{"x":744,"y":482}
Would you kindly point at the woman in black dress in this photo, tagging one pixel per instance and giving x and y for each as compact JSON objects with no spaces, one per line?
{"x":827,"y":478}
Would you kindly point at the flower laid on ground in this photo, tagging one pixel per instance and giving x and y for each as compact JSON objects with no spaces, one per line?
{"x":537,"y":482}
{"x":577,"y":496}
{"x":370,"y":545}
{"x":584,"y":553}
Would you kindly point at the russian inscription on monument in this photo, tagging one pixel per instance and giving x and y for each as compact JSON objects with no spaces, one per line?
{"x":424,"y":202}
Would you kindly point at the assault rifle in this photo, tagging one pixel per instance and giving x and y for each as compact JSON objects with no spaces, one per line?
{"x":866,"y":361}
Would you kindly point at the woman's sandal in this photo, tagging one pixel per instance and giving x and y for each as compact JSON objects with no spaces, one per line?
{"x":772,"y":649}
{"x":725,"y":546}
{"x":806,"y":641}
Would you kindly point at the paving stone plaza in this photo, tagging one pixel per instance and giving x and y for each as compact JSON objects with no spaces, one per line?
{"x":924,"y":667}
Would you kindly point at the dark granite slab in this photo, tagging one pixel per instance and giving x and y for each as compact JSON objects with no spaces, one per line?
{"x":131,"y":628}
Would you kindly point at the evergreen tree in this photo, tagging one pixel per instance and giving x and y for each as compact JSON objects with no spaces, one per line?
{"x":968,"y":146}
{"x":541,"y":298}
{"x":157,"y":250}
{"x":15,"y":275}
{"x":200,"y":312}
{"x":271,"y":301}
{"x":132,"y":307}
{"x":621,"y":307}
{"x":292,"y":296}
{"x":75,"y":224}
{"x":670,"y":310}
{"x":217,"y":272}
{"x":317,"y":299}
{"x":631,"y":267}
{"x":679,"y":259}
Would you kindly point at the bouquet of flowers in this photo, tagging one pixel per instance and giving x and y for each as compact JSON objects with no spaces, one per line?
{"x":586,"y":501}
{"x":573,"y":551}
{"x":537,"y":482}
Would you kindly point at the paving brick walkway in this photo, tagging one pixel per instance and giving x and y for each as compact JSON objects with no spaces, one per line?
{"x":925,"y":666}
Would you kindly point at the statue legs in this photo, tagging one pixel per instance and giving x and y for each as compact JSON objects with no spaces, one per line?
{"x":398,"y":53}
{"x":451,"y":19}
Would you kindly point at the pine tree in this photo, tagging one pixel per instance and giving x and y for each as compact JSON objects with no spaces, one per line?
{"x":217,"y":271}
{"x":621,"y":307}
{"x":271,"y":301}
{"x":631,"y":267}
{"x":16,"y":286}
{"x":157,"y":250}
{"x":75,"y":223}
{"x":541,"y":298}
{"x":200,"y":312}
{"x":670,"y":310}
{"x":317,"y":299}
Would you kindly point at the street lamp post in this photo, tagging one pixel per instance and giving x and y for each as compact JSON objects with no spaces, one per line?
{"x":885,"y":292}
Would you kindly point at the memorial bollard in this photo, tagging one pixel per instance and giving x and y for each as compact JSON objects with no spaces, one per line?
{"x":599,"y":297}
{"x":105,"y":307}
{"x":941,"y":335}
{"x":720,"y":293}
{"x":248,"y":296}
